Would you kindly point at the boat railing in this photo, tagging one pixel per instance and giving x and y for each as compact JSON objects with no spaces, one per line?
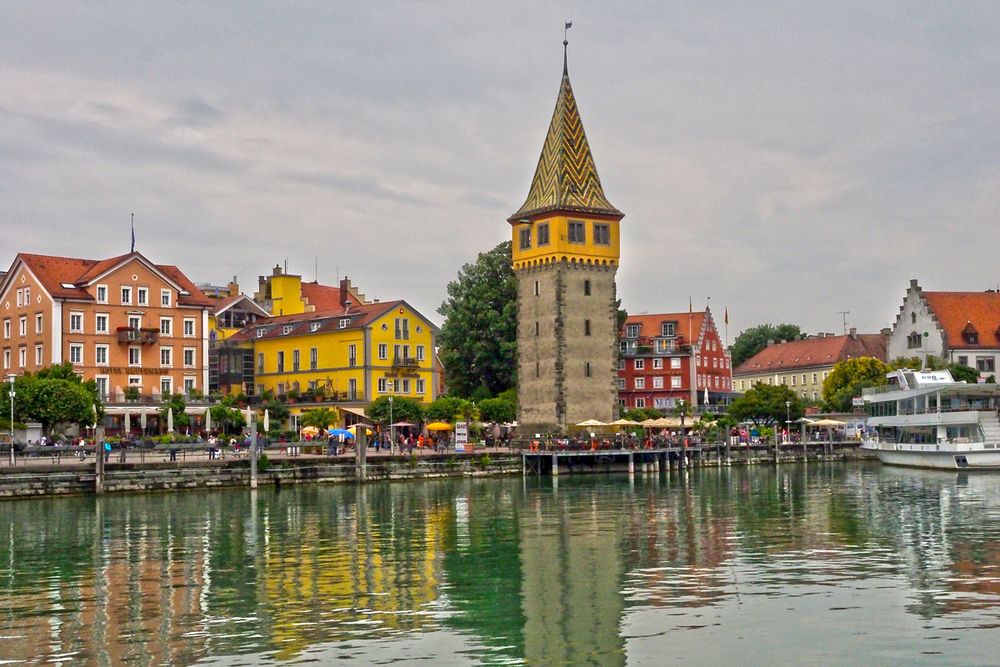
{"x":880,"y":389}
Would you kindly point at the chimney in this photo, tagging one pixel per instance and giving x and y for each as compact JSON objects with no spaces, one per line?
{"x":233,"y":287}
{"x":853,"y":333}
{"x":345,"y":292}
{"x":913,"y":284}
{"x":277,"y":270}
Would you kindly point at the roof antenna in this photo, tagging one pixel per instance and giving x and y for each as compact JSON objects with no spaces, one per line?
{"x":843,"y":314}
{"x":316,"y":270}
{"x":566,"y":27}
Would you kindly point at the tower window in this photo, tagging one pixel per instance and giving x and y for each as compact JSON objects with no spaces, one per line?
{"x":586,"y":327}
{"x":525,"y":237}
{"x":586,"y":288}
{"x":543,"y":234}
{"x":536,"y":328}
{"x":577,"y":232}
{"x":538,"y":369}
{"x":602,"y":234}
{"x":587,"y":369}
{"x":536,"y":288}
{"x":913,"y":318}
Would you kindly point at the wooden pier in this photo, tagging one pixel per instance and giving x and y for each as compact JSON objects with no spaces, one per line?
{"x":552,"y":462}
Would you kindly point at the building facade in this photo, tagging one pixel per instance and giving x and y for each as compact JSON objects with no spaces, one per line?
{"x":803,"y":365}
{"x":565,"y":256}
{"x":669,"y":357}
{"x":130,"y":325}
{"x":957,"y":327}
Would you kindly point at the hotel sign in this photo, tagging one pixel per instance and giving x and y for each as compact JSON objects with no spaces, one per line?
{"x":133,"y":370}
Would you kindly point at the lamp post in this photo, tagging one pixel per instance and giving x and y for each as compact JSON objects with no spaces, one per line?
{"x":392,"y":428}
{"x":788,"y":419}
{"x":11,"y":379}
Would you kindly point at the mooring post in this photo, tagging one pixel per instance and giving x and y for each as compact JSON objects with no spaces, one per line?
{"x":631,"y":464}
{"x":252,"y":424}
{"x":361,"y":453}
{"x":555,"y":465}
{"x":98,"y":463}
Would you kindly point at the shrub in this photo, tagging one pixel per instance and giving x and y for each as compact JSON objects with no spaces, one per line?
{"x":263,"y":463}
{"x":484,"y":461}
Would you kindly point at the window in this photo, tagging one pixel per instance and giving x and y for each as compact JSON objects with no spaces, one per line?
{"x":586,"y":369}
{"x":260,"y":362}
{"x":101,"y":323}
{"x":586,"y":287}
{"x":402,"y":328}
{"x":165,"y":296}
{"x":543,"y":233}
{"x":602,"y":234}
{"x":345,"y":322}
{"x":261,"y":332}
{"x":38,"y":323}
{"x":166,"y":326}
{"x":657,"y":363}
{"x":166,"y":357}
{"x":126,"y":296}
{"x":793,"y":381}
{"x":406,"y":387}
{"x":815,"y":377}
{"x":381,"y":385}
{"x":675,"y":382}
{"x":313,"y":358}
{"x":621,"y":364}
{"x":75,"y":353}
{"x":963,"y":360}
{"x":189,"y":357}
{"x":803,"y":378}
{"x":352,"y":389}
{"x":621,"y":384}
{"x":524,"y":238}
{"x":640,"y":402}
{"x":697,"y":360}
{"x":640,"y":364}
{"x":134,"y":321}
{"x":189,"y":327}
{"x":39,"y":355}
{"x":75,"y":323}
{"x":6,"y":328}
{"x":536,"y":328}
{"x":142,"y":296}
{"x":102,"y":386}
{"x":913,"y":340}
{"x":383,"y":351}
{"x":420,"y":352}
{"x":586,"y":327}
{"x":421,"y":385}
{"x":913,"y":318}
{"x":668,"y":329}
{"x":20,"y":298}
{"x":658,"y":382}
{"x":577,"y":232}
{"x":22,"y":356}
{"x":6,"y":358}
{"x":135,"y":380}
{"x":675,"y":362}
{"x":972,"y":337}
{"x":639,"y":383}
{"x":166,"y":385}
{"x":295,"y":360}
{"x":102,"y":294}
{"x":281,"y":361}
{"x":715,"y":362}
{"x":101,"y":355}
{"x":352,"y":355}
{"x":314,"y":326}
{"x":287,"y":329}
{"x":985,"y":364}
{"x":22,"y":325}
{"x":538,"y":369}
{"x":536,"y":288}
{"x":189,"y":385}
{"x":631,"y":330}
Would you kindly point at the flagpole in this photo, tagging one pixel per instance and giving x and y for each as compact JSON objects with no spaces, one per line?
{"x":133,"y":233}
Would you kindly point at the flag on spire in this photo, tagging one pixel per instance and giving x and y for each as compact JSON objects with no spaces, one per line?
{"x":726,"y":316}
{"x":133,"y":233}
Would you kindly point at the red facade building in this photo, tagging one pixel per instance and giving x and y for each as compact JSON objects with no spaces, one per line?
{"x":668,"y":357}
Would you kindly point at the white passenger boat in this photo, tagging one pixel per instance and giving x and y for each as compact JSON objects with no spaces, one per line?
{"x":927,"y":420}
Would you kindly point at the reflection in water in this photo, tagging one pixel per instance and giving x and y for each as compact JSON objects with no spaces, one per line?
{"x":830,"y":563}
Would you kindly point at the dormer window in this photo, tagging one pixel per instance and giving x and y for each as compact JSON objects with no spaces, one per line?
{"x":287,"y":329}
{"x":345,"y":322}
{"x":261,"y":332}
{"x":314,"y":326}
{"x":668,"y":329}
{"x":970,"y":334}
{"x":631,"y":330}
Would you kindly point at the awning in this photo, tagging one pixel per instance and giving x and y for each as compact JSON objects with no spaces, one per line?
{"x":360,"y":412}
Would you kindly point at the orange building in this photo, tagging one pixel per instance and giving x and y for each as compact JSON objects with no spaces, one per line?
{"x":122,"y":322}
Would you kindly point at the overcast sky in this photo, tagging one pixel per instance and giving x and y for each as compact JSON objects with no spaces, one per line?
{"x":788,"y":160}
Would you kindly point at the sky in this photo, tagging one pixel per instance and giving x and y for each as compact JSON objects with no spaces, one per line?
{"x":784,"y":161}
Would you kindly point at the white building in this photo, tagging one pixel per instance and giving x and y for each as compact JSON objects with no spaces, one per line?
{"x":958,"y":327}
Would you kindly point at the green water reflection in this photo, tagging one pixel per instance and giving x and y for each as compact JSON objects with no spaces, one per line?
{"x":830,"y":563}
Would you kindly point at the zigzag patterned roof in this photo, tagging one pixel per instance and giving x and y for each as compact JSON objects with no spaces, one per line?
{"x":566,"y":177}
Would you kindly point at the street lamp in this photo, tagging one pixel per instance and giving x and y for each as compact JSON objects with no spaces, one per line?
{"x":11,"y":379}
{"x":788,"y":419}
{"x":392,"y":428}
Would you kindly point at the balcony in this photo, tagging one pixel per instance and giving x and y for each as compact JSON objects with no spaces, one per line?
{"x":405,"y":362}
{"x":133,"y":335}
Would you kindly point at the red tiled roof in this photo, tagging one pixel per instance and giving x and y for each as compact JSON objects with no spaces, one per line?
{"x":955,"y":311}
{"x":649,"y":325}
{"x":326,"y":297}
{"x":55,"y":272}
{"x":811,"y":352}
{"x":329,"y":321}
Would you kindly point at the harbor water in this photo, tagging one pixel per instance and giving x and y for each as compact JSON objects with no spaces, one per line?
{"x":824,"y":563}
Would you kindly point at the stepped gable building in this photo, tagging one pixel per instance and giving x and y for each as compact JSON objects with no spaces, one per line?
{"x":565,"y":256}
{"x":124,"y":322}
{"x":803,"y":365}
{"x":958,"y":327}
{"x":668,"y":357}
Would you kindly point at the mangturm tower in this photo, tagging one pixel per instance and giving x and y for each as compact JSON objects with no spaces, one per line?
{"x":565,"y":255}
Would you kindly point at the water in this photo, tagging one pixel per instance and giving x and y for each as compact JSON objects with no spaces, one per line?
{"x":830,"y":564}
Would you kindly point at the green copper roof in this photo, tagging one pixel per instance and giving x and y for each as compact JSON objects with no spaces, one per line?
{"x":566,"y":176}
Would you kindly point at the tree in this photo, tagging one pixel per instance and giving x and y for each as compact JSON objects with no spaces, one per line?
{"x":931,"y":363}
{"x":54,"y":395}
{"x":479,"y":337}
{"x":641,"y":414}
{"x":176,"y":403}
{"x":226,"y":415}
{"x":319,"y":417}
{"x":754,"y":339}
{"x":403,"y":409}
{"x":848,"y":378}
{"x":443,"y":408}
{"x":765,"y":404}
{"x":962,"y":373}
{"x":277,"y":414}
{"x":497,"y":410}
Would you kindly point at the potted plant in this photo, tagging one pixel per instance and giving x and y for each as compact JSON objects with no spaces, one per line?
{"x":131,"y":394}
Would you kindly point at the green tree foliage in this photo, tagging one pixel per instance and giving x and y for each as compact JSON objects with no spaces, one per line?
{"x":403,"y":409}
{"x":932,"y":363}
{"x":497,"y":410}
{"x":641,"y":414}
{"x":443,"y":408}
{"x":991,"y":379}
{"x":176,"y":403}
{"x":479,"y":337}
{"x":319,"y":417}
{"x":848,"y":378}
{"x":765,"y":404}
{"x":277,"y":414}
{"x":962,"y":373}
{"x":226,"y":416}
{"x":54,"y":395}
{"x":754,"y":339}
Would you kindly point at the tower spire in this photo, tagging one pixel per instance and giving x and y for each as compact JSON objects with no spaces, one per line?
{"x":566,"y":27}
